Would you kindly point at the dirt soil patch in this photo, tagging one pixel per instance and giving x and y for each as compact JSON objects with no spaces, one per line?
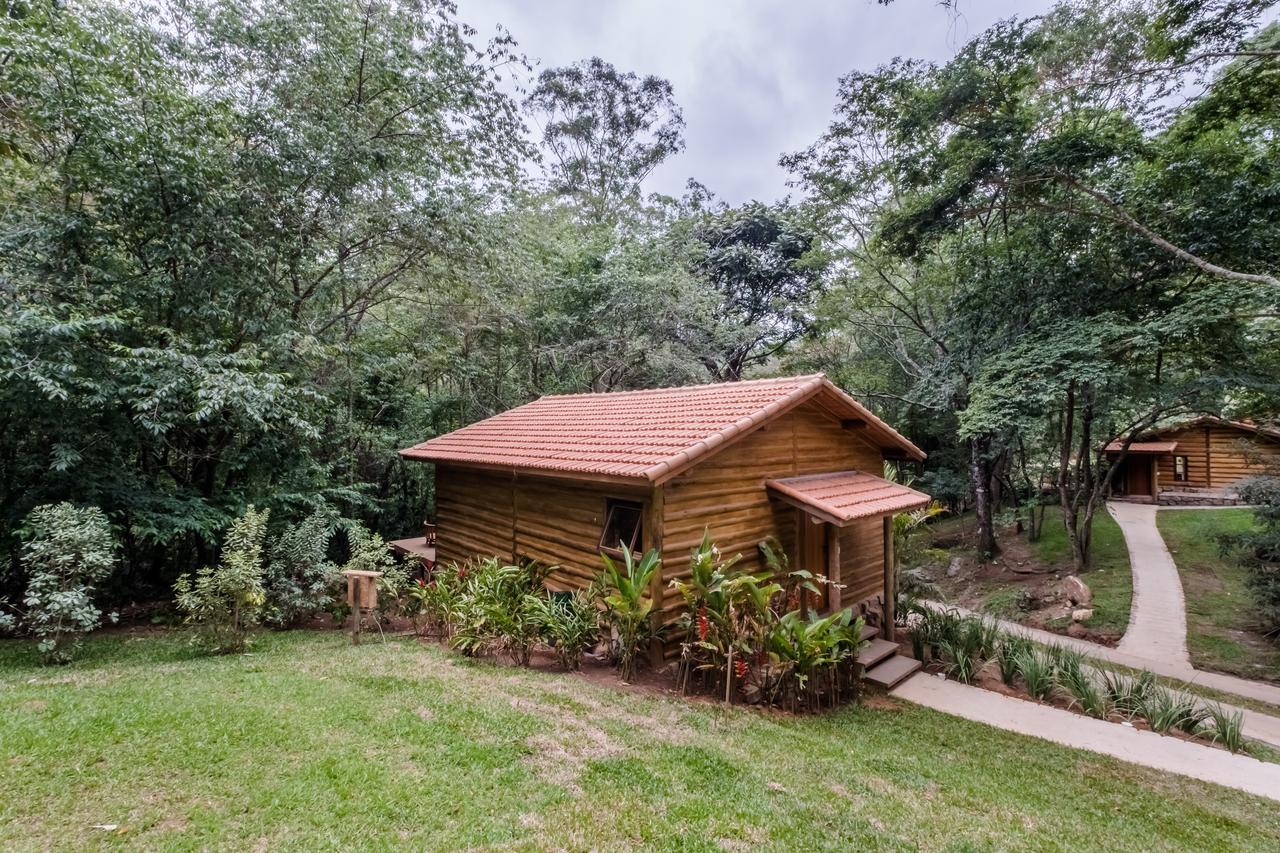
{"x":1017,"y":584}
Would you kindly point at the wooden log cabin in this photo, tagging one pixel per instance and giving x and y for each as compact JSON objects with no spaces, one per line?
{"x":1196,"y":461}
{"x":564,"y":478}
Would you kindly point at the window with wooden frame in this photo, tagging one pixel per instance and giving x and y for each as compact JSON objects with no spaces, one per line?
{"x":623,"y":525}
{"x":1180,"y":468}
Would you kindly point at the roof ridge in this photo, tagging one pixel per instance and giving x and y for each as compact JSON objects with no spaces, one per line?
{"x":736,"y":383}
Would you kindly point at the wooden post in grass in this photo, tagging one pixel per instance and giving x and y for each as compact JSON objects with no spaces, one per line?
{"x":362,"y":596}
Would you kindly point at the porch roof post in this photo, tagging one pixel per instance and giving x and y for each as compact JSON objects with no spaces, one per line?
{"x":890,"y":581}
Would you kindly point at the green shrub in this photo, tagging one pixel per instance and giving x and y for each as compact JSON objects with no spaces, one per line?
{"x":492,"y":614}
{"x":569,"y":623}
{"x":370,"y":553}
{"x":628,"y":605}
{"x":300,"y":581}
{"x":66,"y":551}
{"x":225,"y":602}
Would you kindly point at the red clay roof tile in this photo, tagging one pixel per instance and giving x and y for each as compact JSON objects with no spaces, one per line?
{"x":846,"y":495}
{"x":649,"y":435}
{"x":1143,"y":446}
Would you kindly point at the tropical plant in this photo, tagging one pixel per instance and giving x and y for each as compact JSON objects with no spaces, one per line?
{"x":569,"y":622}
{"x":628,"y":606}
{"x":808,"y":658}
{"x":914,"y":587}
{"x":66,"y":552}
{"x":493,"y":614}
{"x":300,"y":580}
{"x":905,"y":527}
{"x":225,"y":601}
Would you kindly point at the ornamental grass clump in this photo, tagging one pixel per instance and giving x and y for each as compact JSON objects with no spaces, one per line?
{"x":1009,"y":647}
{"x":1165,"y":710}
{"x":1082,"y":685}
{"x":1036,"y":670}
{"x":1224,"y":727}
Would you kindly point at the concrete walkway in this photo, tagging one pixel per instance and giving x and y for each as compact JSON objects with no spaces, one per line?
{"x":1257,"y":726}
{"x":1145,"y":748}
{"x":1158,"y":619}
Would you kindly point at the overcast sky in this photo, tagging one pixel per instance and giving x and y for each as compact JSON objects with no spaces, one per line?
{"x":755,"y":78}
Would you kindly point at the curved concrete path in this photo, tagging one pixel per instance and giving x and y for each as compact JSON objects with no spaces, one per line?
{"x":1257,"y":726}
{"x":1146,"y":748}
{"x":1157,"y":628}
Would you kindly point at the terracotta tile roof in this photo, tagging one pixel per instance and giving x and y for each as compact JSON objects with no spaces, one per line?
{"x":650,"y":435}
{"x":846,"y":495}
{"x":1269,"y":431}
{"x":1143,"y":446}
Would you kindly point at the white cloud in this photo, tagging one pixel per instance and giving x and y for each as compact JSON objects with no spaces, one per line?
{"x":755,"y":79}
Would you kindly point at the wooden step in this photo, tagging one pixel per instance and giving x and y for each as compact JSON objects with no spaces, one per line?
{"x":891,"y":672}
{"x":876,"y":651}
{"x":869,"y":632}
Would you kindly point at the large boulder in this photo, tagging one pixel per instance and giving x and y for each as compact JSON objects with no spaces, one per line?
{"x":1076,"y":591}
{"x":955,"y":567}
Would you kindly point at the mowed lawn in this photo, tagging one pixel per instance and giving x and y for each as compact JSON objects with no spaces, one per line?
{"x":1222,"y":625}
{"x":1108,"y":575}
{"x":311,"y":743}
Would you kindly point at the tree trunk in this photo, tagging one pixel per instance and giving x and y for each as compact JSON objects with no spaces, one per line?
{"x":980,"y":476}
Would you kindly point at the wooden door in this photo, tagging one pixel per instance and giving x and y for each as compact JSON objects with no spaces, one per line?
{"x":1138,"y":477}
{"x":812,"y":554}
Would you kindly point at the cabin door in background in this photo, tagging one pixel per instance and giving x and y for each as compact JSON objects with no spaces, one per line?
{"x":1138,"y":477}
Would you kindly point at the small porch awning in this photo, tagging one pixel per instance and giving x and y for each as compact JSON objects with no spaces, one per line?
{"x":845,"y":496}
{"x":1143,"y":447}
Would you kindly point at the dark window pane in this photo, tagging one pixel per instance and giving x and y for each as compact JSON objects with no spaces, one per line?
{"x":623,"y":525}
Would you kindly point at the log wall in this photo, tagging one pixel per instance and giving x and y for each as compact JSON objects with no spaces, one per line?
{"x":1217,"y":456}
{"x":556,"y":522}
{"x":726,"y":495}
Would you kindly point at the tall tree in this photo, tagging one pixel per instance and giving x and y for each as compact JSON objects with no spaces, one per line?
{"x":756,"y":258}
{"x":207,"y":204}
{"x":605,"y":131}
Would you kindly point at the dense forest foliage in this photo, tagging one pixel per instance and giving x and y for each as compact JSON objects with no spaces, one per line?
{"x":248,"y":251}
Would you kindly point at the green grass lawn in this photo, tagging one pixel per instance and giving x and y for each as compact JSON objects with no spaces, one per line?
{"x":1108,"y":575}
{"x":311,"y":743}
{"x":1222,"y":630}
